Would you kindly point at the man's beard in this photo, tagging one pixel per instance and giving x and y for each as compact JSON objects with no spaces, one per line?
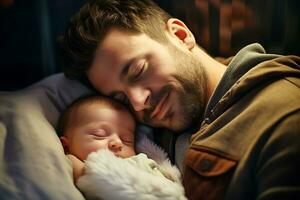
{"x":190,"y":83}
{"x":192,"y":78}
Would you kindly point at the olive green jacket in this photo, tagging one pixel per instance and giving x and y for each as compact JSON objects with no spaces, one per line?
{"x":248,"y":146}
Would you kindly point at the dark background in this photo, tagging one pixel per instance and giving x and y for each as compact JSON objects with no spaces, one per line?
{"x":29,"y":31}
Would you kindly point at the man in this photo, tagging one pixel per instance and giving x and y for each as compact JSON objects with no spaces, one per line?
{"x":246,"y":110}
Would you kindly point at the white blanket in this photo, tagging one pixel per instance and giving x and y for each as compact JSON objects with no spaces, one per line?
{"x":109,"y":177}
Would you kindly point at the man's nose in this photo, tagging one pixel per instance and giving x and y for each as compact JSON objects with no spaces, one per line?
{"x":138,"y":97}
{"x":115,"y":144}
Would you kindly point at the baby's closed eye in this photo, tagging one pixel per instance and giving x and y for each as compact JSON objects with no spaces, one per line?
{"x":127,"y":140}
{"x":99,"y":133}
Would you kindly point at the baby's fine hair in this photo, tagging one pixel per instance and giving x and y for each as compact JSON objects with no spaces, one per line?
{"x":64,"y":119}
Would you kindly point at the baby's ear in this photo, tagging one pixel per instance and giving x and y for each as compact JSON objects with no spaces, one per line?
{"x":65,"y":143}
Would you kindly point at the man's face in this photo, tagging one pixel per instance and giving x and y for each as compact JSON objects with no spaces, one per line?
{"x":163,"y":84}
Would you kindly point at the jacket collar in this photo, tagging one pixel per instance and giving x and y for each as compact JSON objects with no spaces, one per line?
{"x":241,"y":63}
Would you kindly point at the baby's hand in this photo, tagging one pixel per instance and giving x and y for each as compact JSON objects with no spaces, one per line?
{"x":78,"y":167}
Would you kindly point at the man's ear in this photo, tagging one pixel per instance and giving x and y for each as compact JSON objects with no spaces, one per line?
{"x":180,"y":31}
{"x":65,"y":143}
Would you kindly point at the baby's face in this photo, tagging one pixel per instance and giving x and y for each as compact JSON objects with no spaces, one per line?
{"x":97,"y":126}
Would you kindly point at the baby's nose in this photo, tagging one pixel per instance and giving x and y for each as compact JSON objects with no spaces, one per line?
{"x":115,"y":145}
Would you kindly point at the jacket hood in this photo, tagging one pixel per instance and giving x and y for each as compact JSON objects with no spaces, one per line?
{"x":250,"y":69}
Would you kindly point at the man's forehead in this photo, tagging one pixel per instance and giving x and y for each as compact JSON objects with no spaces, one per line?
{"x":103,"y":70}
{"x":108,"y":61}
{"x":103,"y":78}
{"x":115,"y":49}
{"x":116,"y":37}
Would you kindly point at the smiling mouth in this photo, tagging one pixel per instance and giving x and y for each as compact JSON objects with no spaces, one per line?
{"x":161,"y":109}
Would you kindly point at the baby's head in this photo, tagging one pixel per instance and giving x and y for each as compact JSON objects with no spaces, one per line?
{"x":96,"y":122}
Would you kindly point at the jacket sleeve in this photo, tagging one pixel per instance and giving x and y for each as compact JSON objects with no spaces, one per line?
{"x":277,"y":173}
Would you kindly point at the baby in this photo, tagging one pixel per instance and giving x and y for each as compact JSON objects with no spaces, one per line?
{"x":94,"y":123}
{"x":98,"y":138}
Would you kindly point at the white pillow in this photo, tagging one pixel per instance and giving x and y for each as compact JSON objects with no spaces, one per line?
{"x":32,"y":160}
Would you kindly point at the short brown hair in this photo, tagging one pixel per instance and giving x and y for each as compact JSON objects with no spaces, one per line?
{"x":89,"y":26}
{"x":65,"y":118}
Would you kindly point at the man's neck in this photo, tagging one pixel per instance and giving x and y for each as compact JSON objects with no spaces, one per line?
{"x":214,"y":70}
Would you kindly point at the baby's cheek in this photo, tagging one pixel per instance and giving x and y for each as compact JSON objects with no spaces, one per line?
{"x":92,"y":148}
{"x":128,"y":152}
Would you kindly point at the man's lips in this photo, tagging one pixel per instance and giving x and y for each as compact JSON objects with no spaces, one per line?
{"x":161,"y":108}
